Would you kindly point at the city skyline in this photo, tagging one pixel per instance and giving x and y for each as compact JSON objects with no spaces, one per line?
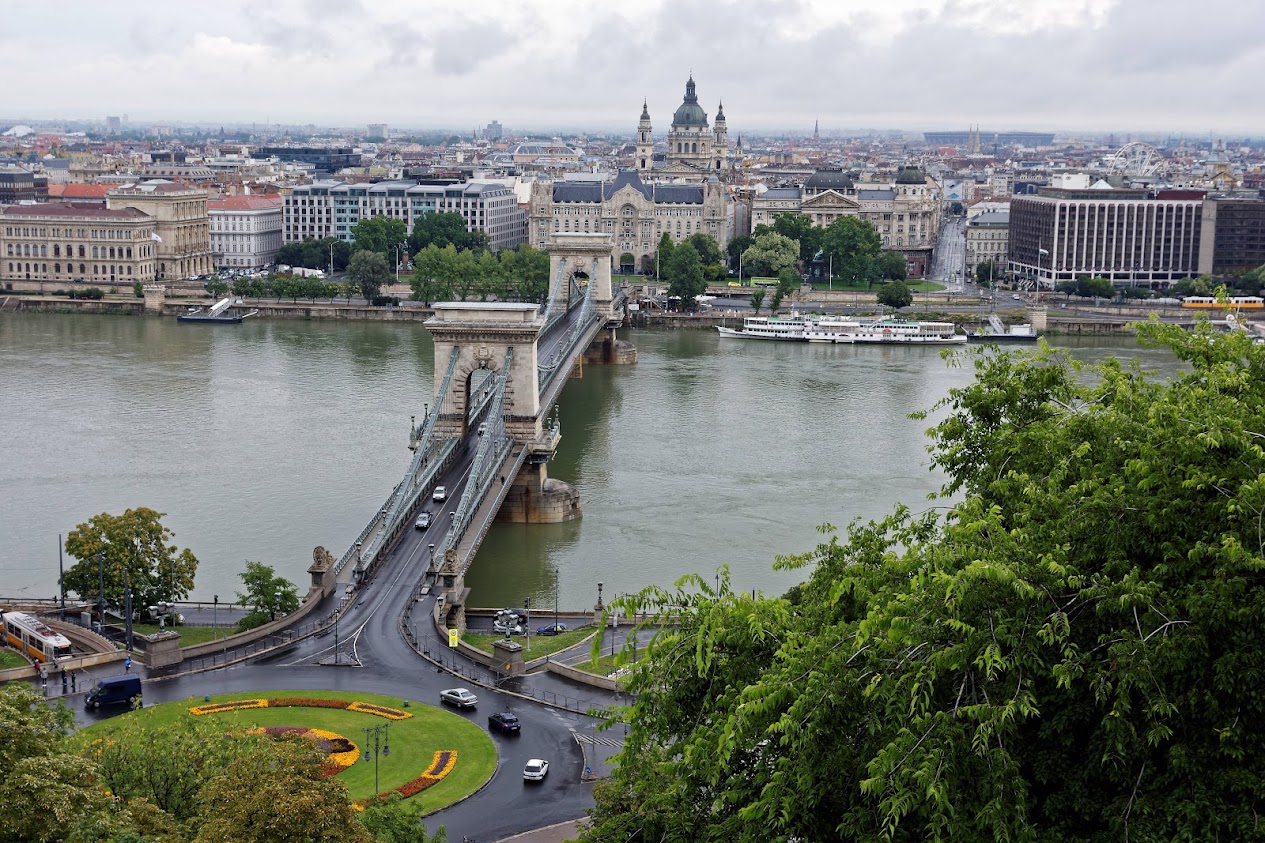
{"x":1062,"y":65}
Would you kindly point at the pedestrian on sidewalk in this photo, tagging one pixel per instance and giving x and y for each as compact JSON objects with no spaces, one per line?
{"x":127,"y":665}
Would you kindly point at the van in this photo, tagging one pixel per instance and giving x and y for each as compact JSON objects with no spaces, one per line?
{"x":114,"y":690}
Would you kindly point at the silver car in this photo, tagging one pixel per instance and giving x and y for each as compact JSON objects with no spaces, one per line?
{"x":460,"y":697}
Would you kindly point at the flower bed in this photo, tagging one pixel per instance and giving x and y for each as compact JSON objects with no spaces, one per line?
{"x":440,"y":765}
{"x":340,"y":753}
{"x":300,"y":702}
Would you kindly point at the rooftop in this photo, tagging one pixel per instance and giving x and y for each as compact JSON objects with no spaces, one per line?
{"x":72,"y":209}
{"x":270,"y":202}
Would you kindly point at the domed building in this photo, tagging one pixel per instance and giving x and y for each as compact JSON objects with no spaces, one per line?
{"x":695,"y":149}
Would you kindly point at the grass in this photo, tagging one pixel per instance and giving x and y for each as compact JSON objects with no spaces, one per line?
{"x":413,"y":740}
{"x":9,"y":659}
{"x":189,"y":635}
{"x":541,"y":645}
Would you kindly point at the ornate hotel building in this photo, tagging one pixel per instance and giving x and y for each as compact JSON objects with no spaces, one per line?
{"x":634,"y":213}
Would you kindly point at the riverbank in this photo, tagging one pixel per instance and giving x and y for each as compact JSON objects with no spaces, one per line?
{"x":1072,"y":321}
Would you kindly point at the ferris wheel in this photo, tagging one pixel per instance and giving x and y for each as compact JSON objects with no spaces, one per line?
{"x":1135,"y":159}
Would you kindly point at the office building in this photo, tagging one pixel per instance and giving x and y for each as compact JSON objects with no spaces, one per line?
{"x":71,"y":242}
{"x":182,"y":225}
{"x":987,"y":239}
{"x":246,"y":231}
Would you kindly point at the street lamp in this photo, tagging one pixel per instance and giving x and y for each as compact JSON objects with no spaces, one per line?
{"x":381,"y":749}
{"x":397,"y":248}
{"x":555,"y":599}
{"x":215,"y":616}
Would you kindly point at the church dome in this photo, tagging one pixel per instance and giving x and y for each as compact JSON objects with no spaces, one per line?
{"x":910,"y":175}
{"x":690,"y":113}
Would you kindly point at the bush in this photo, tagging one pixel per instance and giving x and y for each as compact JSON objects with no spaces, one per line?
{"x":385,"y":301}
{"x":94,"y":293}
{"x":138,"y":290}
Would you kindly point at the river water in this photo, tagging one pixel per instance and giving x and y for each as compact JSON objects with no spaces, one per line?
{"x":262,"y":440}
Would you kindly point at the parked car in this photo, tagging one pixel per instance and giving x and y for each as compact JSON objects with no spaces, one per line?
{"x":114,"y":690}
{"x":552,"y":629}
{"x":440,"y":493}
{"x":504,"y":721}
{"x":460,"y":697}
{"x":536,"y":770}
{"x":519,"y":615}
{"x":423,"y":521}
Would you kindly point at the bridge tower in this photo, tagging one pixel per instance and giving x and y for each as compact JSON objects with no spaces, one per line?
{"x":585,"y":258}
{"x":483,"y":331}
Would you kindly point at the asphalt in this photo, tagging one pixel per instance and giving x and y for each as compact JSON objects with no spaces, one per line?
{"x":368,"y":652}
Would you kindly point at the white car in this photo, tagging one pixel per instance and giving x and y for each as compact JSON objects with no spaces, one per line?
{"x":536,"y":770}
{"x":507,"y":626}
{"x":460,"y":697}
{"x":423,"y":521}
{"x":440,"y":493}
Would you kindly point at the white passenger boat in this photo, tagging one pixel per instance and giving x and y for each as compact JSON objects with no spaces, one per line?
{"x":907,"y":332}
{"x":790,"y":328}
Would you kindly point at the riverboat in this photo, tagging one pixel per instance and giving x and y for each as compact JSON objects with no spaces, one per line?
{"x":218,"y":313}
{"x":789,"y":329}
{"x":887,"y":330}
{"x":998,"y":332}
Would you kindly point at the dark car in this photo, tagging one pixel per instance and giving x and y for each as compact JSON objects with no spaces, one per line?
{"x":552,"y":629}
{"x":114,"y":690}
{"x":506,"y":722}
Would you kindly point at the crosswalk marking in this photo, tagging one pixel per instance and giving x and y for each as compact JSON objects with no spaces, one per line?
{"x":600,"y":741}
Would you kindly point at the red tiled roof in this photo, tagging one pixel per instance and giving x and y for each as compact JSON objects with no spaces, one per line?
{"x":71,"y":209}
{"x":269,"y":202}
{"x":75,"y":190}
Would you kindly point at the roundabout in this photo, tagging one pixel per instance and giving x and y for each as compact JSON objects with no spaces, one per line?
{"x":431,"y":757}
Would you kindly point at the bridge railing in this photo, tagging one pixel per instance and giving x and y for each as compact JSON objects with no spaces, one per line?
{"x":546,"y":370}
{"x":552,"y":311}
{"x":429,"y":457}
{"x":494,"y":443}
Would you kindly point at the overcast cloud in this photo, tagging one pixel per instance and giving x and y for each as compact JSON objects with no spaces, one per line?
{"x":1110,"y":65}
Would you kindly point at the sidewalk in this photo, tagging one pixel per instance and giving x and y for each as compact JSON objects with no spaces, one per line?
{"x":549,"y":834}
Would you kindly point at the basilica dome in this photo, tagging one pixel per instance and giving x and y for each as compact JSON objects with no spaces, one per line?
{"x":690,"y":113}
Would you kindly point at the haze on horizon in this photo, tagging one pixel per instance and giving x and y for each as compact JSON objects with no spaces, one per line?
{"x":1058,"y":65}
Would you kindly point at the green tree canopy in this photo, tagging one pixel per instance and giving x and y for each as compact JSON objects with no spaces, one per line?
{"x":852,"y":244}
{"x":705,"y":245}
{"x":432,"y":273}
{"x":267,"y":594}
{"x":801,"y":229}
{"x":370,"y":272}
{"x":735,"y":249}
{"x":664,"y":254}
{"x":684,"y":272}
{"x":895,"y":294}
{"x":757,"y":298}
{"x":770,"y":254}
{"x":380,"y":234}
{"x":1070,"y":652}
{"x":890,"y":266}
{"x":444,"y":229}
{"x":987,"y":272}
{"x":528,"y":270}
{"x":46,"y":793}
{"x":134,"y":550}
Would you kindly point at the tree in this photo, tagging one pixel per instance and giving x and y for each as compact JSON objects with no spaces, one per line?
{"x":801,"y":229}
{"x":852,"y":244}
{"x":528,"y":270}
{"x":987,"y":272}
{"x":895,"y":294}
{"x":432,"y":272}
{"x":787,"y":283}
{"x":465,"y":274}
{"x":735,"y":249}
{"x":775,"y":301}
{"x":705,"y":245}
{"x":663,"y":254}
{"x":757,"y":299}
{"x":370,"y":272}
{"x":217,"y":287}
{"x":448,"y":228}
{"x":379,"y":234}
{"x":770,"y":254}
{"x":684,"y":272}
{"x":266,"y":595}
{"x":46,"y":794}
{"x":134,"y":550}
{"x":291,"y":254}
{"x":890,"y":266}
{"x":1068,"y":653}
{"x":388,"y":822}
{"x":278,"y":796}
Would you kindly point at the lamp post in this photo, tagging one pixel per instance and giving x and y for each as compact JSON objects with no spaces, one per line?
{"x":397,"y":248}
{"x":101,"y":587}
{"x":555,"y":599}
{"x":527,"y":620}
{"x":215,"y":616}
{"x":381,"y":749}
{"x":61,"y":579}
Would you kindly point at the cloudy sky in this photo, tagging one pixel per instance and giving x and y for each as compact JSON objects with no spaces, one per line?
{"x":1108,"y":65}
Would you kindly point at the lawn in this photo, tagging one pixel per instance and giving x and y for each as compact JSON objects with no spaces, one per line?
{"x":9,"y":659}
{"x":541,"y":645}
{"x":413,"y":740}
{"x":189,"y":635}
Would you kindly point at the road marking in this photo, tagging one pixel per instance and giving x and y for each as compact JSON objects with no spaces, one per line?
{"x":598,"y":741}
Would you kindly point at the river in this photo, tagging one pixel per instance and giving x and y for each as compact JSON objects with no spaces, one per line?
{"x":262,"y":440}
